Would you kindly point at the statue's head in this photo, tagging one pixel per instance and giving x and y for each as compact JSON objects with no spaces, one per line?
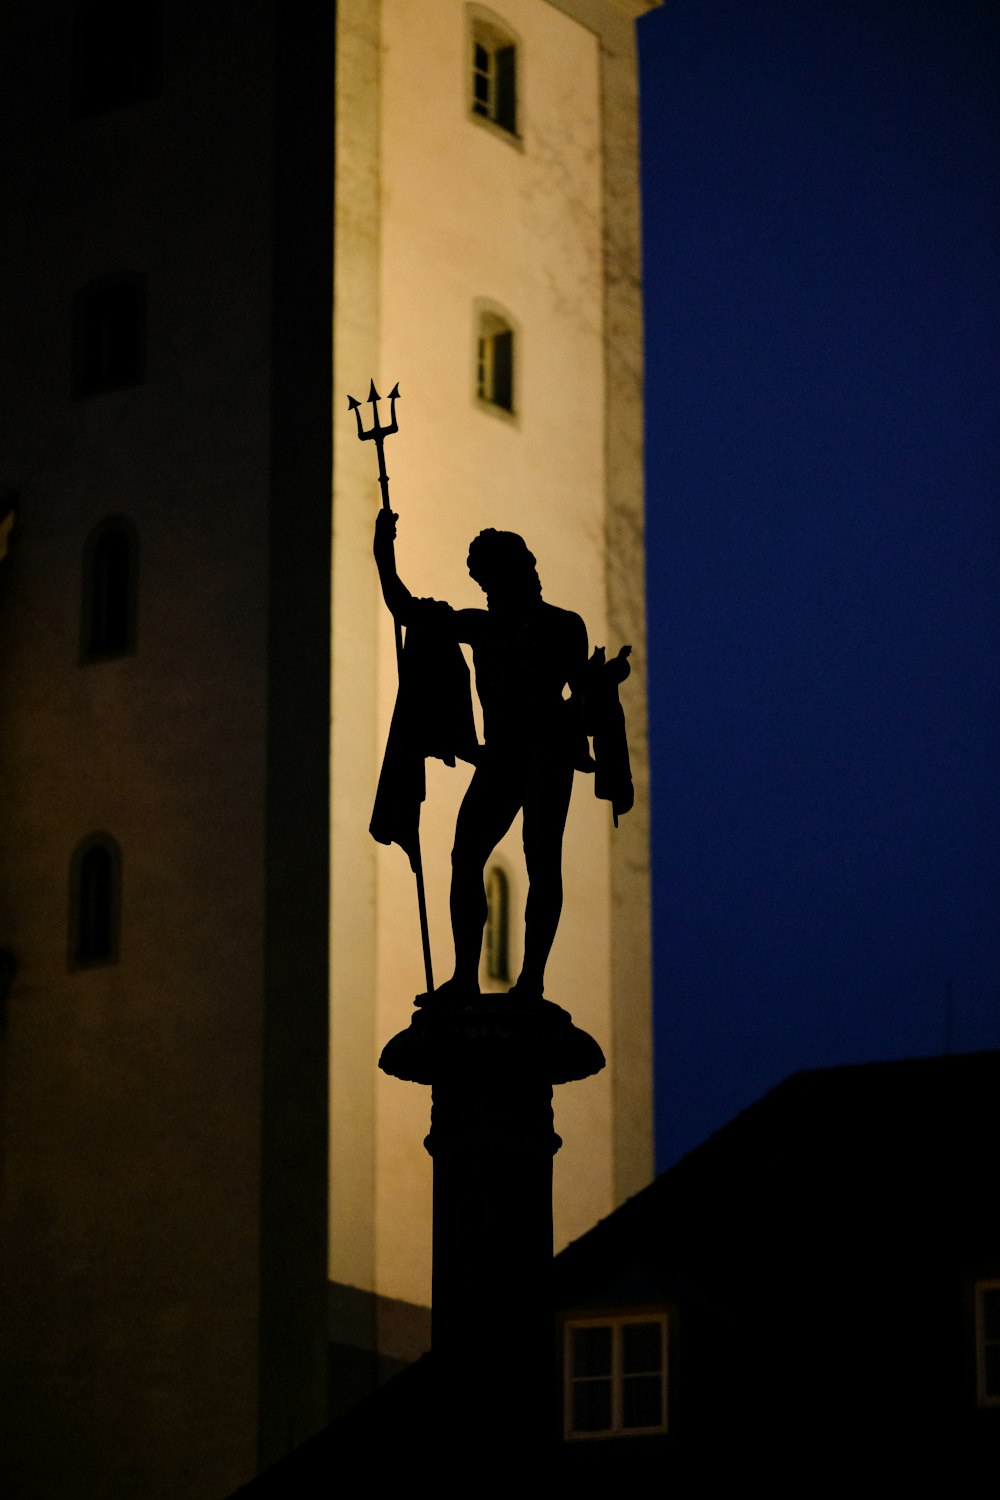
{"x":503,"y":567}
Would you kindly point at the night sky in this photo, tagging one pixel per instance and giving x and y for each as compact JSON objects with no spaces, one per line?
{"x":821,"y":209}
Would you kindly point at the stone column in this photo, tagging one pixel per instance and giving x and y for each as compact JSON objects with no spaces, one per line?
{"x":491,"y":1064}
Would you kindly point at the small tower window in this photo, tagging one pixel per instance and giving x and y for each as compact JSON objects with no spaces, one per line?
{"x":109,"y":334}
{"x":494,"y":72}
{"x":95,"y":901}
{"x":110,"y":576}
{"x":497,"y":938}
{"x":116,"y":54}
{"x":495,"y":361}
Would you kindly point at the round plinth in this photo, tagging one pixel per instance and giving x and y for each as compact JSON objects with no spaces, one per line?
{"x":498,"y":1034}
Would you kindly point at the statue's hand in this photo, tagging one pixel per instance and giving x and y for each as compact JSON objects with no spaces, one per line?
{"x":619,"y":665}
{"x":385,"y":533}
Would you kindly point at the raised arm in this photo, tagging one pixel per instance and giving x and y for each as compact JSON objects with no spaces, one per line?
{"x":395,"y":593}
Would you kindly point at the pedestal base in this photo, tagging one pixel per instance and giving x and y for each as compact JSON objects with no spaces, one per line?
{"x":514,"y":1035}
{"x":491,"y":1064}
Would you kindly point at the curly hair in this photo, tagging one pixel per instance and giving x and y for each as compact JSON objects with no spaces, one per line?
{"x":498,"y":556}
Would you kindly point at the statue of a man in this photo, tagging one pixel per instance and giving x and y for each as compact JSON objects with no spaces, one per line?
{"x":525,"y":653}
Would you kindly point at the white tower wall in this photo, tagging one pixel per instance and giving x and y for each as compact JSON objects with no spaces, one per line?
{"x":447,"y":211}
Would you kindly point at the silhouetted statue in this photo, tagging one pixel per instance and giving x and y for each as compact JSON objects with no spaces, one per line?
{"x":525,"y":653}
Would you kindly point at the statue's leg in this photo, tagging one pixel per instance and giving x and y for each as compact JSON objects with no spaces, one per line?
{"x":546,"y":804}
{"x":488,"y":809}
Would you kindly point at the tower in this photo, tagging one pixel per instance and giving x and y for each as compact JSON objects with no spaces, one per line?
{"x":487,"y":253}
{"x":164,"y":743}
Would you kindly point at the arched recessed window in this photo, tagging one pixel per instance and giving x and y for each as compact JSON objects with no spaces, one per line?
{"x":109,"y":334}
{"x":495,"y":356}
{"x":94,"y":901}
{"x":497,"y":936}
{"x":110,"y":579}
{"x":493,"y":71}
{"x":116,"y":54}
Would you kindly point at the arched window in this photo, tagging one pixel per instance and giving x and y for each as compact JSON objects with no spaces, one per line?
{"x":495,"y":358}
{"x":94,"y":901}
{"x":109,"y":334}
{"x":110,"y":578}
{"x":116,"y":54}
{"x":494,"y":69}
{"x":497,"y":937}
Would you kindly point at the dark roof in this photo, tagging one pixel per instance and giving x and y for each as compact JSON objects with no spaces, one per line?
{"x":837,"y":1179}
{"x":826,"y":1150}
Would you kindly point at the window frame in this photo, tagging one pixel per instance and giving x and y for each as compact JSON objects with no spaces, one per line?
{"x":984,"y":1398}
{"x":485,"y":28}
{"x":485,"y":310}
{"x":616,"y":1321}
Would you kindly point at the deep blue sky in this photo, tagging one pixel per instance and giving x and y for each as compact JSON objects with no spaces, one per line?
{"x":821,"y":212}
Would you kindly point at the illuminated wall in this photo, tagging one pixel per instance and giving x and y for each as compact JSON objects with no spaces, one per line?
{"x":440,"y":214}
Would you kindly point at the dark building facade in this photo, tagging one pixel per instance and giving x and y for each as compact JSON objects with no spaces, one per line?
{"x":811,"y":1297}
{"x":164,"y":741}
{"x":824,"y":1277}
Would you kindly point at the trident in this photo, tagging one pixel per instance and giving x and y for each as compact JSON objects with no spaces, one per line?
{"x":378,"y":434}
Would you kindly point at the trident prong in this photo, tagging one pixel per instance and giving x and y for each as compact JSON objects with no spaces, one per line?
{"x":377,"y":432}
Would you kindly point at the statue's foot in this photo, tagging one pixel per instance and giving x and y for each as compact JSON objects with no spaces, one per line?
{"x":453,"y":993}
